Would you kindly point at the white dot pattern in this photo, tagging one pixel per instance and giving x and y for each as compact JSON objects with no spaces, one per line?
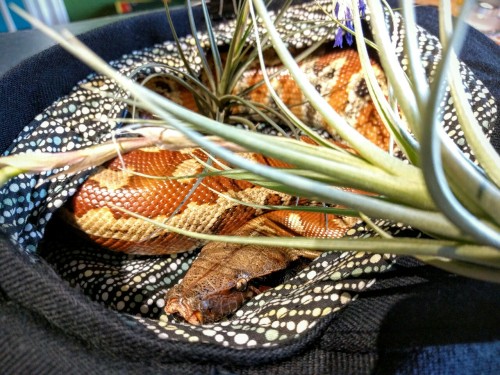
{"x":136,"y":285}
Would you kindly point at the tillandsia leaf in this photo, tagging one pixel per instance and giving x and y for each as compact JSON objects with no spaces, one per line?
{"x":388,"y":113}
{"x":232,"y":119}
{"x":256,"y":108}
{"x":297,"y":207}
{"x":427,"y":221}
{"x":262,"y":110}
{"x":281,"y":105}
{"x":416,"y":71}
{"x":331,"y":153}
{"x":431,"y":154}
{"x":200,"y":92}
{"x":71,"y":162}
{"x":482,"y":255}
{"x":468,"y":183}
{"x":240,"y":174}
{"x":452,"y":157}
{"x":485,"y":154}
{"x":364,"y":147}
{"x":393,"y":70}
{"x":175,"y":140}
{"x":190,"y":74}
{"x":234,"y":52}
{"x":244,"y":53}
{"x":468,"y":269}
{"x":215,"y":51}
{"x":175,"y":37}
{"x":370,"y":224}
{"x":8,"y":172}
{"x":201,"y":53}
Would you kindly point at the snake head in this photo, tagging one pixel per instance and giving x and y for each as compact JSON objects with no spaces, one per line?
{"x":201,"y":308}
{"x":223,"y":277}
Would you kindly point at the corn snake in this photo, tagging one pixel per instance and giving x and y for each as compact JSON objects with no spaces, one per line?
{"x":222,"y":277}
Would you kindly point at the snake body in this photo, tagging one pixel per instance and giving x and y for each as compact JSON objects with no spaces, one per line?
{"x":219,"y":281}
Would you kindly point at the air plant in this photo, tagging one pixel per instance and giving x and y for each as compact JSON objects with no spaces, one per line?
{"x":455,"y":203}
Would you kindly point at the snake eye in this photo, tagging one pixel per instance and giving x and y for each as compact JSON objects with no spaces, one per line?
{"x":241,"y":285}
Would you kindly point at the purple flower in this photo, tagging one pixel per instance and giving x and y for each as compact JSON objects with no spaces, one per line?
{"x":362,"y":8}
{"x":343,"y":13}
{"x":336,"y":10}
{"x":339,"y":38}
{"x":350,"y":26}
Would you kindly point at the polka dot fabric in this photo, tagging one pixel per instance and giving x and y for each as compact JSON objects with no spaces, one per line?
{"x":135,"y":286}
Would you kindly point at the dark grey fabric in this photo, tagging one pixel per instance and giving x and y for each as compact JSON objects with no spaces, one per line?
{"x":415,"y":317}
{"x":415,"y":320}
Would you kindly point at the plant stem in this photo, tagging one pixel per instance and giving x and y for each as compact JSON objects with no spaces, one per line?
{"x":432,"y":162}
{"x":364,"y":147}
{"x":387,"y":112}
{"x":8,"y":172}
{"x":481,"y":255}
{"x":475,"y":271}
{"x":482,"y":148}
{"x":395,"y":74}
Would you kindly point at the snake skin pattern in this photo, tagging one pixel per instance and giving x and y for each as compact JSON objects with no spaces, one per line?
{"x":201,"y":204}
{"x":204,"y":209}
{"x":134,"y":286}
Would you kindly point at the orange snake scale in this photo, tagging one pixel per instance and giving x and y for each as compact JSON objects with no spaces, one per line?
{"x":337,"y":76}
{"x":223,"y":276}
